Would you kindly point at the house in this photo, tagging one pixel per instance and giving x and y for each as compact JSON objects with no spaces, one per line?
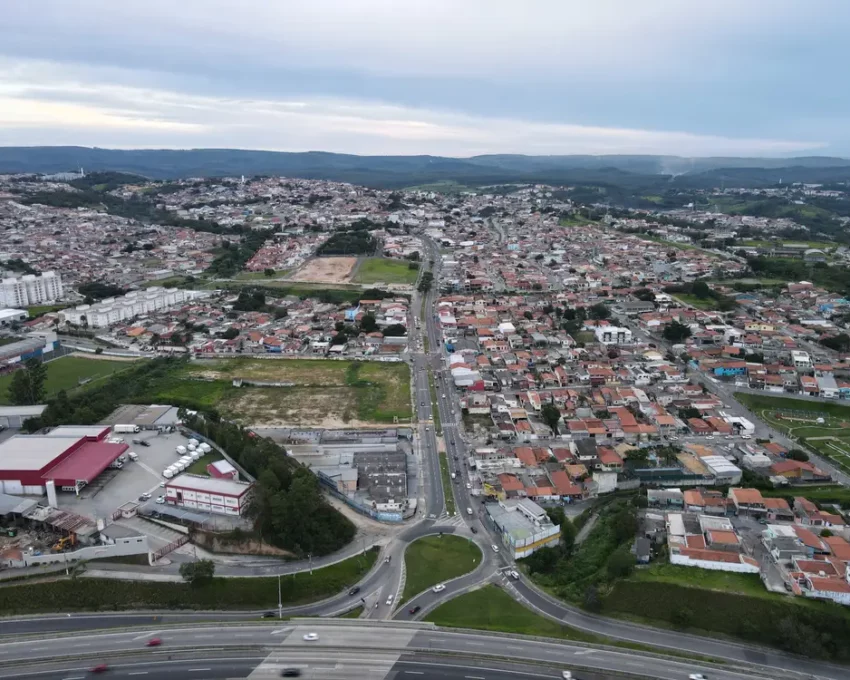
{"x":748,"y":501}
{"x":642,"y":550}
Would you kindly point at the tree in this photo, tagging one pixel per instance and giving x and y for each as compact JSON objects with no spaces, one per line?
{"x":591,"y":599}
{"x":676,"y":332}
{"x":687,"y":412}
{"x":568,"y":535}
{"x":798,"y":454}
{"x":620,"y":564}
{"x":396,"y":330}
{"x":27,"y":386}
{"x":599,"y":311}
{"x":826,"y":533}
{"x":197,"y":573}
{"x":551,"y":415}
{"x":701,"y":290}
{"x":625,"y":525}
{"x":268,"y":271}
{"x":368,"y":324}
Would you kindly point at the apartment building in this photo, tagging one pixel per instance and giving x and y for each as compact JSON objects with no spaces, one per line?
{"x":30,"y":290}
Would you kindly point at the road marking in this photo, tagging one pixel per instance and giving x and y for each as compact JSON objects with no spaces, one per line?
{"x":586,"y":651}
{"x":201,"y":637}
{"x":474,"y":677}
{"x":419,"y":673}
{"x":38,"y":649}
{"x":205,"y":670}
{"x":144,"y":635}
{"x":636,"y":665}
{"x":74,"y":677}
{"x":138,"y":673}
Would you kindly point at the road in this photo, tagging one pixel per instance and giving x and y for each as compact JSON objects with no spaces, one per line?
{"x":344,"y":649}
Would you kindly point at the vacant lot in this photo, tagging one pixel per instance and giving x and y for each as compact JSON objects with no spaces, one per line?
{"x":67,"y":372}
{"x":433,"y":559}
{"x":323,"y":393}
{"x":326,"y":270}
{"x":382,"y":270}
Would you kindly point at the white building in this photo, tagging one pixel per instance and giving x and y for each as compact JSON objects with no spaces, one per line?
{"x":800,"y":359}
{"x":135,"y":303}
{"x":613,"y":335}
{"x":30,"y":290}
{"x":209,"y":494}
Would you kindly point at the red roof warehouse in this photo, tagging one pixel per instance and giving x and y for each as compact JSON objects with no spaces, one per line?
{"x":69,"y":456}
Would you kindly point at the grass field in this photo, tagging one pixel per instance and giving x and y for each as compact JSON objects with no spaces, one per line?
{"x":797,"y":418}
{"x":324,"y":393}
{"x":698,"y":302}
{"x":746,"y":584}
{"x":353,"y":614}
{"x":448,"y":491}
{"x":822,"y":245}
{"x":199,"y":467}
{"x":384,"y":270}
{"x":221,"y":593}
{"x":38,"y":310}
{"x":66,"y":372}
{"x":433,"y":559}
{"x":575,"y":221}
{"x":260,"y":276}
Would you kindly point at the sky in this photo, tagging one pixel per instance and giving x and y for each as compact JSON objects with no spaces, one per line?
{"x":440,"y":77}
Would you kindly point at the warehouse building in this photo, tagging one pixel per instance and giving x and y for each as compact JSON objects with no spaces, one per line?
{"x":68,"y":457}
{"x":218,"y":495}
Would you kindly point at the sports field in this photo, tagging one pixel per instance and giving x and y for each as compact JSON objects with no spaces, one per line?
{"x":67,"y":373}
{"x":822,"y":426}
{"x":383,"y":270}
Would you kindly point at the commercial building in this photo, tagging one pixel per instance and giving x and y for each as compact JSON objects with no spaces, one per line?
{"x":219,"y":495}
{"x":30,"y":290}
{"x":36,"y":345}
{"x":11,"y":316}
{"x":133,"y":304}
{"x":69,"y":457}
{"x":524,"y":526}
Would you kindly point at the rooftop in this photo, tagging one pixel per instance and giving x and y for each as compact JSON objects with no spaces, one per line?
{"x":224,"y":486}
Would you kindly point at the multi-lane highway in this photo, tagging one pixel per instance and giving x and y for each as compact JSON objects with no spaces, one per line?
{"x":342,"y":649}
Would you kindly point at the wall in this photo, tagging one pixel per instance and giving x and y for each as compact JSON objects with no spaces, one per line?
{"x":124,"y":546}
{"x":739,"y":568}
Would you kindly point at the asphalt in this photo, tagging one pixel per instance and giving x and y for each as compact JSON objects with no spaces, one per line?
{"x":344,"y":649}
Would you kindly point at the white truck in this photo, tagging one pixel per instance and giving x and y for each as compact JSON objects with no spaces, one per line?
{"x":133,"y":455}
{"x":126,"y":428}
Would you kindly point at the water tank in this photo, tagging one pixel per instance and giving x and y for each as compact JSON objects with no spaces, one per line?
{"x":193,"y":442}
{"x":206,"y":448}
{"x":196,"y":455}
{"x":181,"y":450}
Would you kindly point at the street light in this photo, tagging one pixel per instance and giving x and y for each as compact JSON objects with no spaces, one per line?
{"x":279,"y":600}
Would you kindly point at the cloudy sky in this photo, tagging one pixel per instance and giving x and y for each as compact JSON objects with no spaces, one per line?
{"x":443,"y":77}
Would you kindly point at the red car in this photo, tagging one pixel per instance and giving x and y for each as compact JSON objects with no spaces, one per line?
{"x":100,"y":668}
{"x":154,"y":642}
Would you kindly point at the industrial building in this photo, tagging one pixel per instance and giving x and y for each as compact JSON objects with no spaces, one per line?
{"x":12,"y":316}
{"x":34,"y":346}
{"x":31,"y":289}
{"x":135,"y":303}
{"x":218,"y":495}
{"x":67,"y":458}
{"x":524,"y":526}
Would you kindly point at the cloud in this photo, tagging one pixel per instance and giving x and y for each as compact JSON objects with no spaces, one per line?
{"x":98,"y":110}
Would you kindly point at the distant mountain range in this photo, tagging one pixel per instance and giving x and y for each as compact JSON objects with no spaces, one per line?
{"x":626,"y":172}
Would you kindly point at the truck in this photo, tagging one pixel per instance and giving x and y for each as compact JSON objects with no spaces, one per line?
{"x":126,"y":428}
{"x":133,"y":455}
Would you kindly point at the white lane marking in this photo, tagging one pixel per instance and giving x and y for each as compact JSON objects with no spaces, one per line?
{"x":38,"y":649}
{"x":415,"y":673}
{"x":144,"y":635}
{"x":474,"y":677}
{"x":585,"y":651}
{"x":138,"y":673}
{"x":74,"y":677}
{"x":205,"y":670}
{"x":202,"y":637}
{"x":636,"y":665}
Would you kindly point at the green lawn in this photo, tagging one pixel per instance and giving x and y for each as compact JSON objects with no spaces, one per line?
{"x":448,"y":491}
{"x":662,"y":572}
{"x":221,"y":593}
{"x":433,"y":559}
{"x":259,"y":276}
{"x":353,"y":614}
{"x":38,"y":310}
{"x":435,"y":412}
{"x":575,"y":221}
{"x":491,"y":608}
{"x":698,"y":302}
{"x":384,"y":270}
{"x":66,"y":372}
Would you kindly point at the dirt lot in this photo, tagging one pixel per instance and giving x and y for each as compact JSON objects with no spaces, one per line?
{"x":326,"y":270}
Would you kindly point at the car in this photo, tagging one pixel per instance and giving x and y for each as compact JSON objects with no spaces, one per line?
{"x":389,"y":600}
{"x":100,"y":668}
{"x":414,"y":610}
{"x":145,"y":497}
{"x":473,"y":530}
{"x":422,"y":403}
{"x":269,"y":615}
{"x":160,"y":500}
{"x":354,"y":590}
{"x":514,"y":574}
{"x":697,"y":676}
{"x":674,"y":439}
{"x":162,"y":485}
{"x":566,"y":675}
{"x":290,"y":673}
{"x":144,"y":442}
{"x":388,"y":558}
{"x":746,"y":436}
{"x":154,"y":642}
{"x":311,"y":637}
{"x":711,"y":436}
{"x":440,"y":587}
{"x":468,"y":485}
{"x":728,"y":436}
{"x":495,"y":548}
{"x":453,"y":442}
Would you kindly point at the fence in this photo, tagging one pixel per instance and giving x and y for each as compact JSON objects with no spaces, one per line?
{"x":171,"y":547}
{"x":330,"y":486}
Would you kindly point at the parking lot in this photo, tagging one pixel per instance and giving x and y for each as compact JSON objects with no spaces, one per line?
{"x":114,"y":488}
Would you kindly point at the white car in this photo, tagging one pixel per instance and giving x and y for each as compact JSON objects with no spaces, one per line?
{"x":746,"y":436}
{"x":468,"y":485}
{"x":514,"y":574}
{"x":160,"y":500}
{"x":495,"y":548}
{"x":389,"y":600}
{"x":697,"y":676}
{"x":566,"y":675}
{"x":440,"y":587}
{"x":311,"y":637}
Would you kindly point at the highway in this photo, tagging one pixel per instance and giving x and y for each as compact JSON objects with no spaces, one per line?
{"x":344,"y":649}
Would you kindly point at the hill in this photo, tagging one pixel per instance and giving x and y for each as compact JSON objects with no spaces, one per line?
{"x":632,"y":172}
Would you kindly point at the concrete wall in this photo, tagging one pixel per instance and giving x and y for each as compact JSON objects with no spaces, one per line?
{"x":124,"y":546}
{"x":739,"y":568}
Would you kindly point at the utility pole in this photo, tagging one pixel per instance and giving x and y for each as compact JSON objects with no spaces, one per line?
{"x":310,"y":555}
{"x":279,"y":600}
